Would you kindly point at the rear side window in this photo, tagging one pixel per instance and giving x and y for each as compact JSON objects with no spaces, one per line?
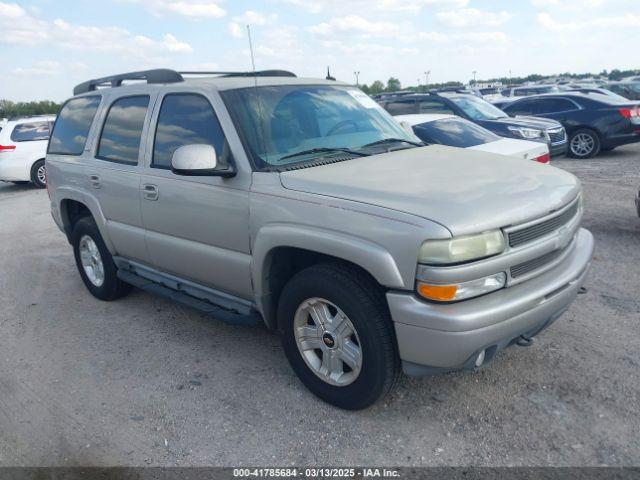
{"x":72,"y":126}
{"x":402,"y":107}
{"x":187,"y":119}
{"x":454,"y":132}
{"x":520,"y":108}
{"x":29,"y":132}
{"x":433,"y":106}
{"x":122,"y":130}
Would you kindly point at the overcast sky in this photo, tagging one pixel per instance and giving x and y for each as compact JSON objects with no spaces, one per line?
{"x":48,"y":46}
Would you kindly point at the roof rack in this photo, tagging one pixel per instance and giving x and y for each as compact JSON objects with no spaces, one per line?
{"x":160,"y":75}
{"x":165,"y":75}
{"x":258,"y":73}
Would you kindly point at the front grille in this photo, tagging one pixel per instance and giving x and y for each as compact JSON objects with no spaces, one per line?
{"x":557,"y":135}
{"x":531,"y":265}
{"x":528,"y":234}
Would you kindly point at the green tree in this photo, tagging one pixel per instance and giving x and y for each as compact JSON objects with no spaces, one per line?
{"x":393,"y":85}
{"x":376,"y":87}
{"x":24,"y":109}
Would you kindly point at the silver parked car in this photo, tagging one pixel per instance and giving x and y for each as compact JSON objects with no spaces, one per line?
{"x":302,"y":204}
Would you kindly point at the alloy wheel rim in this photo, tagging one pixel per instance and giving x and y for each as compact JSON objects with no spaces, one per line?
{"x":91,"y":260}
{"x":41,"y":173}
{"x":582,"y":144}
{"x":328,"y":341}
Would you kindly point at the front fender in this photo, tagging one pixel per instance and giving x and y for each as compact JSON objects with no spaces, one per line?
{"x":368,"y":255}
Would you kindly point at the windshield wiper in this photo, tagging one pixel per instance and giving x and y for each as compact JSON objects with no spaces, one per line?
{"x":384,"y":141}
{"x":324,"y":150}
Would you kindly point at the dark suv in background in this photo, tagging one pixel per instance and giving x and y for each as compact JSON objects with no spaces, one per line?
{"x":593,"y":122}
{"x":484,"y":114}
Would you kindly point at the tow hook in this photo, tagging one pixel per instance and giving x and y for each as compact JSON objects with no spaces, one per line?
{"x":524,"y":341}
{"x":582,"y":290}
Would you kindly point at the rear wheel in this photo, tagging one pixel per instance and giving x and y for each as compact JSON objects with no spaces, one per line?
{"x":95,"y":264}
{"x":39,"y":174}
{"x":338,"y":335}
{"x":584,"y":143}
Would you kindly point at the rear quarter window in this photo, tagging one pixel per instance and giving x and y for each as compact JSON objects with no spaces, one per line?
{"x":30,"y":132}
{"x":72,"y":126}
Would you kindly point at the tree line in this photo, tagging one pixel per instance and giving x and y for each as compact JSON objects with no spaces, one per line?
{"x":9,"y":109}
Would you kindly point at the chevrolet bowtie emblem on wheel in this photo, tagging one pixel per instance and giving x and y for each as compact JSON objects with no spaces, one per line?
{"x":328,"y":340}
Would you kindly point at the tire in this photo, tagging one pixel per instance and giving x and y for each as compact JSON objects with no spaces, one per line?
{"x":339,"y":289}
{"x":38,"y":174}
{"x":584,"y":143}
{"x":88,"y":247}
{"x":19,"y":182}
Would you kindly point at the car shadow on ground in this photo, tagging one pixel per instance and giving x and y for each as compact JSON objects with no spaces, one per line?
{"x":9,"y":187}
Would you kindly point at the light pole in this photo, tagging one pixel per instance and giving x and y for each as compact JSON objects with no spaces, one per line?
{"x":474,"y":77}
{"x":357,"y":74}
{"x":426,"y":79}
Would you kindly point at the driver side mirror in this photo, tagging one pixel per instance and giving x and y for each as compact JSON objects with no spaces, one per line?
{"x":198,"y":160}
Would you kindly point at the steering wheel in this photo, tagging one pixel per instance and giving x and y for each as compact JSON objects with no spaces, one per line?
{"x":340,"y":125}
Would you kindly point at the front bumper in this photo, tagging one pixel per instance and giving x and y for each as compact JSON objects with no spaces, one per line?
{"x":489,"y":323}
{"x":559,"y":150}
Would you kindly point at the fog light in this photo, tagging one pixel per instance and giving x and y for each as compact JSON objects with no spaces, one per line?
{"x":462,"y":291}
{"x":480,"y":359}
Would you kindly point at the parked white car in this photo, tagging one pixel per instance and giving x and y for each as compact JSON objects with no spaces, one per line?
{"x":23,"y":146}
{"x":455,"y":131}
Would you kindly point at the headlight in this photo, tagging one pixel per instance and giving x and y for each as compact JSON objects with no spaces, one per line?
{"x":461,"y":249}
{"x":528,"y":133}
{"x":462,"y":291}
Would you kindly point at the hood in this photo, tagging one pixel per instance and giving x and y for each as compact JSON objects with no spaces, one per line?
{"x":521,"y":149}
{"x":464,"y":190}
{"x":529,"y":122}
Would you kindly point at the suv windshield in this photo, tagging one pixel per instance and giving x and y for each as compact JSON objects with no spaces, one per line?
{"x":286,"y":124}
{"x":477,"y":108}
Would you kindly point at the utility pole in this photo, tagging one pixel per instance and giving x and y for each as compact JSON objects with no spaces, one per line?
{"x":426,"y":79}
{"x":474,"y":77}
{"x":357,"y":74}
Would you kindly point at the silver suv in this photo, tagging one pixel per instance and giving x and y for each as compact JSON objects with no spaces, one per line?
{"x":302,"y":204}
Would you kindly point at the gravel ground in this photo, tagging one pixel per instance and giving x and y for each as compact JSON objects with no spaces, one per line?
{"x":143,"y":381}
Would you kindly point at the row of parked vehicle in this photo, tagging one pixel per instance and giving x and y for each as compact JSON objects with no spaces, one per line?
{"x":580,"y":123}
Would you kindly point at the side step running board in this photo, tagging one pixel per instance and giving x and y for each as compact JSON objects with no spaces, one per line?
{"x":224,"y":314}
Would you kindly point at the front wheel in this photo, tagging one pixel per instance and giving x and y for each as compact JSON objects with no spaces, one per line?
{"x":584,"y":143}
{"x":338,"y":336}
{"x":39,"y":174}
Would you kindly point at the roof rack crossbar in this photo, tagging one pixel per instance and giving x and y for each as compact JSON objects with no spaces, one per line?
{"x":259,"y":73}
{"x":160,"y":75}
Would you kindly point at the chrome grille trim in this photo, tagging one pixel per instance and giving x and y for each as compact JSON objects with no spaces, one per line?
{"x":532,"y":265}
{"x":530,"y":233}
{"x":557,"y":135}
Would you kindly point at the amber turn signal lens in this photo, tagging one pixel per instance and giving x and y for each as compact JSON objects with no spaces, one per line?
{"x":441,"y":293}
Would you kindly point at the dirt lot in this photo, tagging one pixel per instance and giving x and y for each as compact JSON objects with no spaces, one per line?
{"x":145,"y":382}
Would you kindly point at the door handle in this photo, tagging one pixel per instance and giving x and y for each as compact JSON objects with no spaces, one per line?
{"x":150,"y":192}
{"x":95,"y":181}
